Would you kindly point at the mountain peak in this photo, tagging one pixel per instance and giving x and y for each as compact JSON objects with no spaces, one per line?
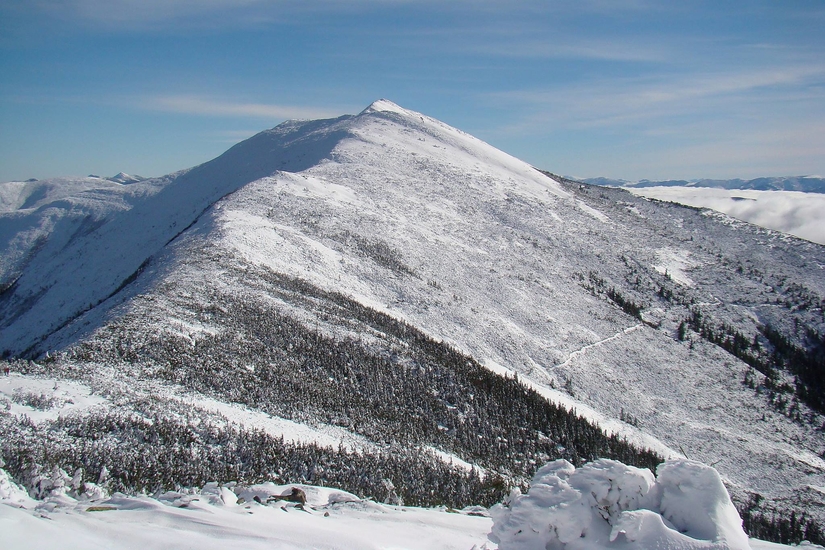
{"x":123,"y":177}
{"x":385,"y":106}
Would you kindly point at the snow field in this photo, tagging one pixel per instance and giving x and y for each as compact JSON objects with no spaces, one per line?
{"x":217,"y":517}
{"x":602,"y":505}
{"x":45,"y":399}
{"x":474,"y":222}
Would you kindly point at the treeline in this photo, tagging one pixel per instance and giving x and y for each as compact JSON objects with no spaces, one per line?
{"x":393,"y":383}
{"x":378,"y":251}
{"x":396,"y":386}
{"x":163,"y":451}
{"x":781,"y":528}
{"x":806,"y":363}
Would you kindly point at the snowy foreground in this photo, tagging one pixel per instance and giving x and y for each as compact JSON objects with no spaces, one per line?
{"x":604,"y":504}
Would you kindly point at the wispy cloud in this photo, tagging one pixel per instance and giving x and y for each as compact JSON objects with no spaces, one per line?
{"x":619,"y":101}
{"x":231,"y":136}
{"x":564,"y":48}
{"x":132,"y":14}
{"x":140,"y":13}
{"x":789,"y":142}
{"x":211,"y":107}
{"x":742,"y":123}
{"x":778,"y":147}
{"x":127,"y":12}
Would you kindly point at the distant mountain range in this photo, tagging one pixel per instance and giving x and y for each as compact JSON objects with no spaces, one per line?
{"x":807,"y":184}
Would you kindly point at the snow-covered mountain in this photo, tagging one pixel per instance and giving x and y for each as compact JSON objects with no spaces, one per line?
{"x":366,"y":279}
{"x":122,"y":177}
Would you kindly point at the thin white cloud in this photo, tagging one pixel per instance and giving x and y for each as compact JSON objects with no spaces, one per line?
{"x":132,"y":14}
{"x":231,"y":136}
{"x":570,"y":49}
{"x":202,"y":106}
{"x":140,"y":13}
{"x":615,"y":102}
{"x":781,"y":146}
{"x":796,"y":145}
{"x":742,"y":123}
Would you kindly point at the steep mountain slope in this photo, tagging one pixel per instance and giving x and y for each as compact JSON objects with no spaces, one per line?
{"x":313,"y":272}
{"x":68,"y":255}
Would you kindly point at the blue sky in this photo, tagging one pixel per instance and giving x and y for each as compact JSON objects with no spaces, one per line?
{"x":623,"y":88}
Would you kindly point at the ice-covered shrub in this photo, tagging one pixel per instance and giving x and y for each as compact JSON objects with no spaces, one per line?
{"x":607,"y":504}
{"x":39,"y":401}
{"x":57,"y":482}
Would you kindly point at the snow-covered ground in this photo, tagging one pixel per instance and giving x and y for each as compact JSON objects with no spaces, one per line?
{"x":216,"y":518}
{"x":600,"y":506}
{"x":42,"y":399}
{"x":45,"y":399}
{"x":793,"y":212}
{"x":606,"y":504}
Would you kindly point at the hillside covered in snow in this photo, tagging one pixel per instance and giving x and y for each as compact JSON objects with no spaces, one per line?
{"x":385,"y":304}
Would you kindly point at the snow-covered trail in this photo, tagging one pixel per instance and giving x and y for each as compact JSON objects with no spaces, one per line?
{"x":583,"y":350}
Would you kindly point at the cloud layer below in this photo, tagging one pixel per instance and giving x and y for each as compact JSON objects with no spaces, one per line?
{"x":793,"y":212}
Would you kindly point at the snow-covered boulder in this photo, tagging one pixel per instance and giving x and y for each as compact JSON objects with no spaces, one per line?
{"x":607,"y":504}
{"x":697,"y":504}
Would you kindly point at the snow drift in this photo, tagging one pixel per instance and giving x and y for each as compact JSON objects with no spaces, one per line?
{"x":607,"y":504}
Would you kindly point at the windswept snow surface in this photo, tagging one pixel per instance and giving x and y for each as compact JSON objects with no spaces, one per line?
{"x":492,"y":276}
{"x":219,"y":517}
{"x":321,"y":434}
{"x":675,"y":264}
{"x":601,"y":505}
{"x":423,"y":222}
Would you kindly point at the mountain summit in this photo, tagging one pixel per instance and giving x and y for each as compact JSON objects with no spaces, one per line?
{"x":326,"y":271}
